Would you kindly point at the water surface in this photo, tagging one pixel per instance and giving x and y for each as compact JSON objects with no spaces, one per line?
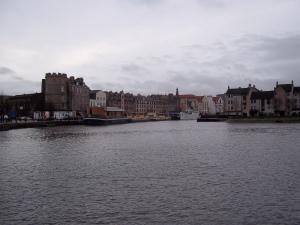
{"x":173,"y":172}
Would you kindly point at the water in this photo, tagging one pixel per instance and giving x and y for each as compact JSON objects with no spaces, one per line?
{"x":176,"y":172}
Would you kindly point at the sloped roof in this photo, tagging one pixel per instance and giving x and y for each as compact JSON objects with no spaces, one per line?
{"x":296,"y":89}
{"x":238,"y":91}
{"x":286,"y":87}
{"x":216,"y":99}
{"x":262,"y":95}
{"x":187,"y":96}
{"x":200,"y":98}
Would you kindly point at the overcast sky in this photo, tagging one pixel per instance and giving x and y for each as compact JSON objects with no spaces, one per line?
{"x":150,"y":46}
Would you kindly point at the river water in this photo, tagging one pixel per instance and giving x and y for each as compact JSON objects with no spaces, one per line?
{"x":173,"y":172}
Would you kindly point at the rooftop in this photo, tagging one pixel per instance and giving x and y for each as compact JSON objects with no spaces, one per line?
{"x":286,"y":87}
{"x":238,"y":91}
{"x":296,"y":89}
{"x":262,"y":95}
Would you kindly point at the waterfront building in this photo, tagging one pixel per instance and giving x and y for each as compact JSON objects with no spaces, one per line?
{"x":287,"y":99}
{"x":24,"y":105}
{"x":115,"y":112}
{"x":189,"y":102}
{"x":202,"y":105}
{"x":129,"y":105}
{"x":114,"y":99}
{"x":206,"y":105}
{"x":219,"y":105}
{"x":296,"y":106}
{"x":65,"y":94}
{"x":80,"y":95}
{"x":262,"y":103}
{"x":237,"y":101}
{"x":97,"y":98}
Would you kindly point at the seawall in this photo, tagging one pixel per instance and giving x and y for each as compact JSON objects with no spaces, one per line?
{"x":32,"y":124}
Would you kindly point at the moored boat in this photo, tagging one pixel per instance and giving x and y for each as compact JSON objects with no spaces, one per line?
{"x":189,"y":115}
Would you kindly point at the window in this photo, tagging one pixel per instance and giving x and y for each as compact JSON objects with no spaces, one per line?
{"x":62,"y":88}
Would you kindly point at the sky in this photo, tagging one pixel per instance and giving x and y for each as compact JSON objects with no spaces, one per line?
{"x":150,"y":46}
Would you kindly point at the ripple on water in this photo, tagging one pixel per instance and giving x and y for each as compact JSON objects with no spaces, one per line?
{"x":176,"y":172}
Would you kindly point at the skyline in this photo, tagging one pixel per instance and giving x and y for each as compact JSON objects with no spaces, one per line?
{"x":152,"y":46}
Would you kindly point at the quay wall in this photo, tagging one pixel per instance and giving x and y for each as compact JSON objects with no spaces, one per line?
{"x":20,"y":125}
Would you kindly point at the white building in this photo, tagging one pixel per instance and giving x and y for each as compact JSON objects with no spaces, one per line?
{"x":206,"y":105}
{"x":219,"y":104}
{"x":97,"y":98}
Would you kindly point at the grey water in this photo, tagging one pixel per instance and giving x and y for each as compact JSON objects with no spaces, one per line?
{"x":173,"y":172}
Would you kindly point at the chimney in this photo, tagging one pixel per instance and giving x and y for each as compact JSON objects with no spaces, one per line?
{"x":292,"y":82}
{"x":276,"y":83}
{"x":249,"y":85}
{"x":228,"y":87}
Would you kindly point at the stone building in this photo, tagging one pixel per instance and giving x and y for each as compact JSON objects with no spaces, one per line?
{"x":80,"y":95}
{"x":114,"y":99}
{"x":287,"y":99}
{"x":237,"y":101}
{"x":129,"y":103}
{"x":65,"y":94}
{"x":262,"y":103}
{"x":189,"y":102}
{"x":25,"y":105}
{"x":296,"y":105}
{"x":140,"y":105}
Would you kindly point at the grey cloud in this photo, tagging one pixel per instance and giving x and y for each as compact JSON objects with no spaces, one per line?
{"x":198,"y":46}
{"x":134,"y":69}
{"x":5,"y":71}
{"x":285,"y":48}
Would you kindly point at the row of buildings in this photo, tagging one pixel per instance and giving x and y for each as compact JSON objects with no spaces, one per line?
{"x":69,"y":97}
{"x":283,"y":100}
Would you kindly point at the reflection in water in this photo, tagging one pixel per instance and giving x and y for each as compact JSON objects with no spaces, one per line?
{"x":176,"y":172}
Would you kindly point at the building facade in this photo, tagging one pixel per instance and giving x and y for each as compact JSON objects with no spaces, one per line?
{"x":219,"y":105}
{"x":262,"y":103}
{"x":237,"y":101}
{"x":25,"y":105}
{"x":97,"y":98}
{"x":65,"y":94}
{"x":287,"y":99}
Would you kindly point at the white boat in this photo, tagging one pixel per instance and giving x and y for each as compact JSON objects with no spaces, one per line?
{"x":189,"y":115}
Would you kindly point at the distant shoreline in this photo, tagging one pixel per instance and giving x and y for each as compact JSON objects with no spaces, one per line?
{"x":54,"y":123}
{"x":34,"y":124}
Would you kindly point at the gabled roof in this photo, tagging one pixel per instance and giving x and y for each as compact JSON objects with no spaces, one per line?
{"x":296,"y":89}
{"x":216,"y":99}
{"x":200,"y":98}
{"x":286,"y":87}
{"x":187,"y":96}
{"x":238,"y":91}
{"x":262,"y":95}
